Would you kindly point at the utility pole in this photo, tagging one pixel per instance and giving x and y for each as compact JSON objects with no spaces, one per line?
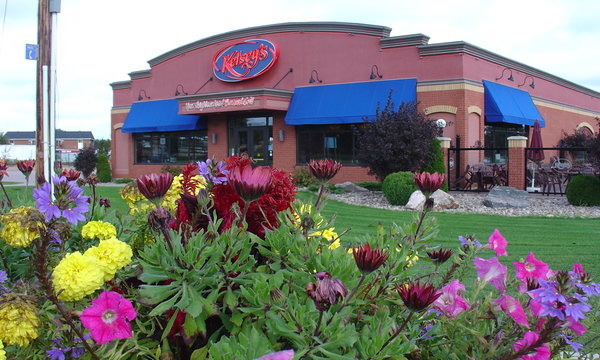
{"x":42,"y":93}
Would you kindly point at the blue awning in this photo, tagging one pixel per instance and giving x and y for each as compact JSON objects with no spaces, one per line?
{"x":509,"y":105}
{"x":346,"y":103}
{"x":159,"y":116}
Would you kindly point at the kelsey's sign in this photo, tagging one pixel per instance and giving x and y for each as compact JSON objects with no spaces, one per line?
{"x":201,"y":105}
{"x":245,"y":60}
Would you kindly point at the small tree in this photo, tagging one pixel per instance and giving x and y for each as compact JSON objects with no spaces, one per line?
{"x":396,"y":141}
{"x":3,"y":139}
{"x":103,"y":145}
{"x":86,"y":161}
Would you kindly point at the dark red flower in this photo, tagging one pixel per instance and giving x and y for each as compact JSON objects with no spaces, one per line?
{"x":26,"y":166}
{"x":324,"y":170}
{"x":159,"y":218}
{"x":417,"y":296}
{"x":105,"y":202}
{"x":326,"y":291}
{"x":70,"y":174}
{"x":368,"y":259}
{"x":3,"y":169}
{"x":250,"y":183}
{"x":439,"y":256}
{"x":154,"y":186}
{"x":428,"y":183}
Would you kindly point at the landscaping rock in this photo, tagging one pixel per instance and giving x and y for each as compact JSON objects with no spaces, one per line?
{"x":351,"y":187}
{"x":506,"y":197}
{"x":441,"y":200}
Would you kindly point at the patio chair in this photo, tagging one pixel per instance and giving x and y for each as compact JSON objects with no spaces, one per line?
{"x":466,"y":180}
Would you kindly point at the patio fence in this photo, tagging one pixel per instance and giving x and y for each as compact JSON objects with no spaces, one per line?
{"x":477,"y":168}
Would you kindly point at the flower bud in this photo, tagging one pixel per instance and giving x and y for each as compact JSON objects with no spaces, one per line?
{"x":368,"y":259}
{"x":324,"y":170}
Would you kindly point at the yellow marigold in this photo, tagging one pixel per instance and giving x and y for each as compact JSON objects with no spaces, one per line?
{"x":2,"y":352}
{"x":329,"y":235}
{"x":20,"y":227}
{"x":77,"y":276}
{"x":111,"y":256}
{"x":18,"y":322}
{"x":98,"y":230}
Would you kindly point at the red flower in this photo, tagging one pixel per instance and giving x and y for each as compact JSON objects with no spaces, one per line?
{"x":26,"y":166}
{"x":428,"y":183}
{"x":324,"y":170}
{"x":326,"y":291}
{"x":3,"y":169}
{"x":250,"y":184}
{"x":154,"y":186}
{"x":70,"y":174}
{"x":439,"y":256}
{"x":368,"y":259}
{"x":417,"y":296}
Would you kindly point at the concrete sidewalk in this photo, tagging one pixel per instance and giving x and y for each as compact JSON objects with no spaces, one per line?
{"x":15,"y":176}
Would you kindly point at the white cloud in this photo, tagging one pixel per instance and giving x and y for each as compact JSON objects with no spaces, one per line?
{"x":102,"y":41}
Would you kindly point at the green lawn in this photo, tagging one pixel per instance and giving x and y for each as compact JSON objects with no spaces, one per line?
{"x":559,"y":242}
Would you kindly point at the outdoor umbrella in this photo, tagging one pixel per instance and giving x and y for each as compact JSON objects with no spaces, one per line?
{"x":535,"y":155}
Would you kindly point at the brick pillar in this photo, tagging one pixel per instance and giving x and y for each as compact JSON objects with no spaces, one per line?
{"x":445,"y":145}
{"x":516,"y":161}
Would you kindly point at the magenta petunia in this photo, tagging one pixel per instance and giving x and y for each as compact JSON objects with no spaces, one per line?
{"x":531,"y":269}
{"x":577,"y":327}
{"x":450,"y":302}
{"x":513,"y":307}
{"x":541,"y":352}
{"x":498,"y":243}
{"x":279,"y":355}
{"x":108,"y":317}
{"x":491,"y":271}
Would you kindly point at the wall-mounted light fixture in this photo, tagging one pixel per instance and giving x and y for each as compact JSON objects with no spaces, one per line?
{"x":281,"y":135}
{"x":203,"y":85}
{"x":510,"y":78}
{"x":375,"y":73}
{"x":532,"y":85}
{"x":214,"y":138}
{"x":314,"y":79}
{"x":182,"y":92}
{"x":142,"y":97}
{"x":286,"y":74}
{"x":441,"y":123}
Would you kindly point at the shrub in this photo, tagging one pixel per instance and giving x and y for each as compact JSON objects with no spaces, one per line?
{"x":86,"y":161}
{"x":103,"y":169}
{"x":370,"y":185}
{"x":398,"y":187}
{"x":436,"y":164}
{"x":123,"y":181}
{"x":584,"y":190}
{"x":173,"y":169}
{"x":303,"y":177}
{"x":398,"y":140}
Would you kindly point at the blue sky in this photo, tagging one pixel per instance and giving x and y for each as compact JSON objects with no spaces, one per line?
{"x":100,"y":42}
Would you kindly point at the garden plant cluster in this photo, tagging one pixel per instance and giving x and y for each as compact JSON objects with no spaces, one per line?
{"x":222,"y":262}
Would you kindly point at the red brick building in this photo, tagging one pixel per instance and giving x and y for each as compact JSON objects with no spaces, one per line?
{"x":288,"y":92}
{"x":68,"y":143}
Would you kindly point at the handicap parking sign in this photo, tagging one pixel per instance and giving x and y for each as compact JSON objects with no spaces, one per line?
{"x":31,"y":51}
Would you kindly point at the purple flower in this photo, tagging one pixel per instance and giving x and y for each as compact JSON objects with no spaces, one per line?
{"x":44,"y":202}
{"x":576,"y":309}
{"x":215,"y":174}
{"x":491,"y":271}
{"x":68,"y":200}
{"x":279,"y":355}
{"x":468,"y":241}
{"x":3,"y":276}
{"x":56,"y":353}
{"x":547,"y":292}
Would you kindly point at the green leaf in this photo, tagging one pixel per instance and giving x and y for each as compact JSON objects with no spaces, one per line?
{"x":164,"y":306}
{"x":194,"y":308}
{"x":199,"y":354}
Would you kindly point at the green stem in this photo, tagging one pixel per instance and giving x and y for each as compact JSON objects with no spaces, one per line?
{"x":6,"y":194}
{"x":396,"y":333}
{"x":317,"y":330}
{"x":319,"y":197}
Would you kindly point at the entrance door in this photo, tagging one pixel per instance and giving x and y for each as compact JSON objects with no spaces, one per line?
{"x":252,"y":135}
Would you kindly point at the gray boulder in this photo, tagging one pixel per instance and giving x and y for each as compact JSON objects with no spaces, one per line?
{"x":351,"y":187}
{"x":441,"y":200}
{"x":506,"y":197}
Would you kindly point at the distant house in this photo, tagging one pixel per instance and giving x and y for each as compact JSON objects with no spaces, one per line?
{"x":68,"y":143}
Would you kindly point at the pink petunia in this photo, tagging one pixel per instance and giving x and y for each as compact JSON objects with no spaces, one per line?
{"x":578,"y":269}
{"x":451,"y":303}
{"x":531,"y":269}
{"x":279,"y":355}
{"x":108,"y":317}
{"x":575,"y":326}
{"x":513,"y":307}
{"x":498,"y":243}
{"x":491,"y":271}
{"x":530,"y":338}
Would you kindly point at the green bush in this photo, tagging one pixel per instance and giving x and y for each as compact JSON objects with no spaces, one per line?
{"x":123,"y":181}
{"x":436,"y":164}
{"x":303,"y":177}
{"x":103,"y":169}
{"x":370,"y":185}
{"x":584,"y":190}
{"x":173,"y":169}
{"x":398,"y":187}
{"x":331,"y":188}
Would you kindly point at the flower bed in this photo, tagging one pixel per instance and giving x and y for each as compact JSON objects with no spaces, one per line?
{"x":220,"y":262}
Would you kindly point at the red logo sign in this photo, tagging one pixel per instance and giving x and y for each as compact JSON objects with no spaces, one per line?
{"x":245,"y":60}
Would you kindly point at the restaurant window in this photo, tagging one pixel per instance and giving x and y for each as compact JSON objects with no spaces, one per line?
{"x":178,"y":147}
{"x":335,"y":142}
{"x":496,"y":140}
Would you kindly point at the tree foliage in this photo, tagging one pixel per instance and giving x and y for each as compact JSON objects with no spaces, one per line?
{"x":86,"y":161}
{"x":398,"y":140}
{"x":103,"y":146}
{"x":3,"y":139}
